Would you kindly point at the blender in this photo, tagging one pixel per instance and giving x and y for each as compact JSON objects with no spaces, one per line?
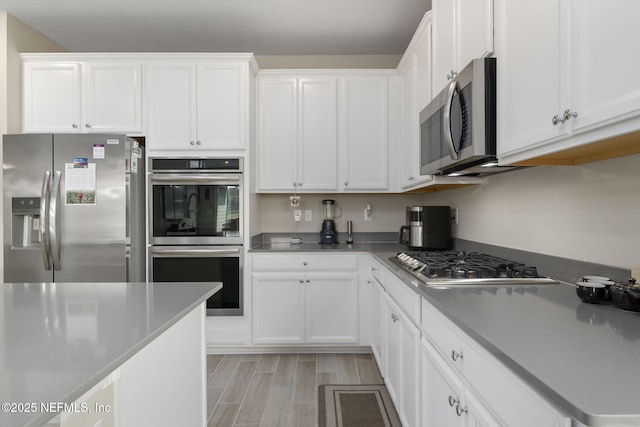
{"x":328,"y":233}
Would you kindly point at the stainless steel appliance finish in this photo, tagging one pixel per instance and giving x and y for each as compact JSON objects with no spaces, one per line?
{"x":428,"y":227}
{"x":195,"y":201}
{"x":73,"y":208}
{"x":456,"y":268}
{"x":458,"y":127}
{"x":203,"y":264}
{"x":196,"y":226}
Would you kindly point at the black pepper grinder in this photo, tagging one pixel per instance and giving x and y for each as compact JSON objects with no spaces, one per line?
{"x":349,"y":232}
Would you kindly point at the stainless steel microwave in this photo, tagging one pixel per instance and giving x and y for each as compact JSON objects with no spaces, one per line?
{"x":458,"y":127}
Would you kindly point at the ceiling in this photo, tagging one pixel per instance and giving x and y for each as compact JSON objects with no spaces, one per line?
{"x":264,"y":27}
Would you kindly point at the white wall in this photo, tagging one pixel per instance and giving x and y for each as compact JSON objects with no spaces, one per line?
{"x":589,"y":212}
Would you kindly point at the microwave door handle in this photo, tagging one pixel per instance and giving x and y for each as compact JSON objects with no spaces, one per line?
{"x":446,"y":121}
{"x":44,"y":219}
{"x":54,"y":221}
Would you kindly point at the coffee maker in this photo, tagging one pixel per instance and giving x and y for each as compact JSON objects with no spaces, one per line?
{"x":428,"y":228}
{"x":328,"y":233}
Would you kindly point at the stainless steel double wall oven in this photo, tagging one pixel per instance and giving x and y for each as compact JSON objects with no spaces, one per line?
{"x":195,"y":226}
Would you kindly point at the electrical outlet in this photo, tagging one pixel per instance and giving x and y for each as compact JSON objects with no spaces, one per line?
{"x":454,"y":215}
{"x":297,"y":214}
{"x":308,"y":215}
{"x":368,"y":213}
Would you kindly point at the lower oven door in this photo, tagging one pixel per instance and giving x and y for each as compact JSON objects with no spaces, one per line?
{"x":203,"y":264}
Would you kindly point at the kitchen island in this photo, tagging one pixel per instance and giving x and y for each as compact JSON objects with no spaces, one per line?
{"x":62,"y":342}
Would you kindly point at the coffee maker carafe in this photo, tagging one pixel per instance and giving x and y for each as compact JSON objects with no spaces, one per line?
{"x":328,"y":233}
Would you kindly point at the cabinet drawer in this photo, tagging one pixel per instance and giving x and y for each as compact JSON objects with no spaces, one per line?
{"x":511,"y":399}
{"x":407,"y":299}
{"x":306,"y":262}
{"x":376,"y":270}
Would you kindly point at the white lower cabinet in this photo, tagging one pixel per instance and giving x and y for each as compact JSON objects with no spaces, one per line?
{"x":308,"y":304}
{"x":489,"y":394}
{"x":401,"y":355}
{"x":445,"y":401}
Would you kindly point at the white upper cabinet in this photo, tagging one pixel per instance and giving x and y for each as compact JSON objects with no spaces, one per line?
{"x":571,"y":85}
{"x":323,"y":132}
{"x":197,"y":105}
{"x":63,"y":96}
{"x":297,"y":133}
{"x":532,"y":67}
{"x":171,"y":105}
{"x":364,"y":136}
{"x":415,"y":86}
{"x":462,"y":31}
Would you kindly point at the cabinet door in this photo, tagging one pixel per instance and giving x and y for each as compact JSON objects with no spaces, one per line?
{"x":444,"y":42}
{"x":51,"y":97}
{"x":529,"y":63}
{"x":364,"y":135}
{"x":441,"y":391}
{"x":606,"y":82}
{"x":474,"y":31}
{"x":332,"y":308}
{"x":278,"y":309}
{"x":171,"y":106}
{"x":318,"y":134}
{"x":113,"y":99}
{"x":377,"y":294}
{"x":221,"y":100}
{"x":409,"y":365}
{"x":390,"y":346}
{"x":277,"y":134}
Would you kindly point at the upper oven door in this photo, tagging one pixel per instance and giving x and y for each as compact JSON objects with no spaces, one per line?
{"x":195,"y":208}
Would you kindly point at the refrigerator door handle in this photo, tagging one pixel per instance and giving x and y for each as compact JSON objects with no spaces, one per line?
{"x":44,"y":219}
{"x":54,"y":221}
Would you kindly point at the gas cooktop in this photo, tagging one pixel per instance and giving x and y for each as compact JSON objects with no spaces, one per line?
{"x":466,"y":268}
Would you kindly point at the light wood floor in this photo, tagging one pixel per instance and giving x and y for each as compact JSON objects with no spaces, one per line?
{"x":278,"y":389}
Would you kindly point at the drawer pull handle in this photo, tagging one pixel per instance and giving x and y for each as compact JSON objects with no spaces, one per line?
{"x":455,"y":355}
{"x":394,"y":317}
{"x":460,"y":410}
{"x":453,"y":401}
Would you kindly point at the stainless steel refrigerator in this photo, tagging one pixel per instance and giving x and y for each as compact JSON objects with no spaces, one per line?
{"x":73,"y":208}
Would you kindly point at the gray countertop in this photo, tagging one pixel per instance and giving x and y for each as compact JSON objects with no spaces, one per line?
{"x":583,"y":357}
{"x":59,"y":340}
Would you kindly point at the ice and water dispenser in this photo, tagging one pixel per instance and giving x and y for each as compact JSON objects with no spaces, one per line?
{"x":25,"y":222}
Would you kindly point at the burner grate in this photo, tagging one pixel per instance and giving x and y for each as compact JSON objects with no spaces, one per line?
{"x":469,"y":265}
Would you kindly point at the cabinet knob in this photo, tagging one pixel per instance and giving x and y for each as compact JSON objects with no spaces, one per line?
{"x":75,"y":126}
{"x":412,"y":178}
{"x":568,"y":114}
{"x":346,"y":183}
{"x":308,"y":281}
{"x":192,"y":143}
{"x":305,"y":263}
{"x":299,"y":184}
{"x":460,"y":410}
{"x":198,"y":143}
{"x":556,"y":120}
{"x":87,"y":125}
{"x":453,"y":401}
{"x":455,"y":355}
{"x":301,"y":281}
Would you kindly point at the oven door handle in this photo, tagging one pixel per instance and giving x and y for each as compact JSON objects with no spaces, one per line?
{"x":192,"y":178}
{"x":184,"y":252}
